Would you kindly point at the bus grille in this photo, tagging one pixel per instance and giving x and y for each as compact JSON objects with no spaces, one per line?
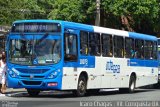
{"x":33,"y":71}
{"x":24,"y":76}
{"x":32,"y":82}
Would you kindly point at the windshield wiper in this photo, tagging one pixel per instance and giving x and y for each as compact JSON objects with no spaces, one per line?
{"x":44,"y":36}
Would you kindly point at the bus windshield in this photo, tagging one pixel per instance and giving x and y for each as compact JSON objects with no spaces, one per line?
{"x":34,"y":51}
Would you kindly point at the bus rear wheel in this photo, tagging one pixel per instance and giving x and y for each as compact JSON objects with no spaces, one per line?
{"x":132,"y":84}
{"x":81,"y":88}
{"x":33,"y":92}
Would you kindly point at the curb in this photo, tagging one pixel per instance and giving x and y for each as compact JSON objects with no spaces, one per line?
{"x":12,"y":90}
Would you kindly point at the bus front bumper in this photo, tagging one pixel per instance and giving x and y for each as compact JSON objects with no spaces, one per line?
{"x":45,"y":84}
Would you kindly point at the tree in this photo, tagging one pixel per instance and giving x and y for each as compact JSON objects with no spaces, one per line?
{"x":12,"y":10}
{"x":73,"y":10}
{"x":141,"y":15}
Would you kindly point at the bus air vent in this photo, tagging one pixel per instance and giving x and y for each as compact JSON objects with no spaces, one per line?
{"x":32,"y":82}
{"x":33,"y":71}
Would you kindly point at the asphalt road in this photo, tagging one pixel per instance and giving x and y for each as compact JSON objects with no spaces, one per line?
{"x":106,"y":98}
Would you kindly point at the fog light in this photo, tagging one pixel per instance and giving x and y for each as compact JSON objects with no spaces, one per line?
{"x":52,"y":84}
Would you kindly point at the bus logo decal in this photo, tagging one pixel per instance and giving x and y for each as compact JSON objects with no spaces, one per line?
{"x":35,"y":61}
{"x":112,"y":67}
{"x":31,"y":76}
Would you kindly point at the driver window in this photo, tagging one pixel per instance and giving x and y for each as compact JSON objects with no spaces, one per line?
{"x":70,"y":47}
{"x":19,"y":48}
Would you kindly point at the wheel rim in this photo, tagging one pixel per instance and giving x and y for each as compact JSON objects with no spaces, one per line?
{"x":132,"y":86}
{"x":81,"y":87}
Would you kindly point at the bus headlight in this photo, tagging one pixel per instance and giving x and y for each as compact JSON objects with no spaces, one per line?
{"x":54,"y":74}
{"x":13,"y":73}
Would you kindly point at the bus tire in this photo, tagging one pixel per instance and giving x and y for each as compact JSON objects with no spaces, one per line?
{"x":132,"y":84}
{"x":81,"y":87}
{"x":33,"y":92}
{"x":131,"y":88}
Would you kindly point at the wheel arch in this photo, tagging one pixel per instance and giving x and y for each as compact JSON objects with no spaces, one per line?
{"x":133,"y":74}
{"x":81,"y":85}
{"x":85,"y":74}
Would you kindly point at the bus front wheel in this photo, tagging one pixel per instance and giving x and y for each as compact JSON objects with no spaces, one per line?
{"x":33,"y":92}
{"x":81,"y":87}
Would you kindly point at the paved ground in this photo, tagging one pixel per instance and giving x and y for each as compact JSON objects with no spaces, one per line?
{"x":20,"y":98}
{"x":11,"y":90}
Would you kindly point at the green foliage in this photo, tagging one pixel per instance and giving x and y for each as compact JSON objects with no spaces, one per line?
{"x":11,"y":10}
{"x":134,"y":7}
{"x":141,"y":14}
{"x":72,"y":10}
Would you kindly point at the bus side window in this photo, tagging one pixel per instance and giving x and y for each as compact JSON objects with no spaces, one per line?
{"x":139,"y":47}
{"x":148,"y":49}
{"x":94,"y":44}
{"x":155,"y":49}
{"x":84,"y":43}
{"x":107,"y":49}
{"x":118,"y":47}
{"x":129,"y":48}
{"x":70,"y":47}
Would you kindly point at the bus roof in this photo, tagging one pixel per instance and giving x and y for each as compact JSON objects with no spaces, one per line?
{"x":95,"y":29}
{"x":78,"y":26}
{"x":142,"y":36}
{"x":110,"y":31}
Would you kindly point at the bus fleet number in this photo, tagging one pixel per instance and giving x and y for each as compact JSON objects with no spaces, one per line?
{"x":84,"y":61}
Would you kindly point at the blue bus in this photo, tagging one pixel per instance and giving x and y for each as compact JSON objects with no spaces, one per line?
{"x":60,"y":55}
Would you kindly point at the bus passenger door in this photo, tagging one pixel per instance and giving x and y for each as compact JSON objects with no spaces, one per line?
{"x":70,"y":48}
{"x":69,"y":80}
